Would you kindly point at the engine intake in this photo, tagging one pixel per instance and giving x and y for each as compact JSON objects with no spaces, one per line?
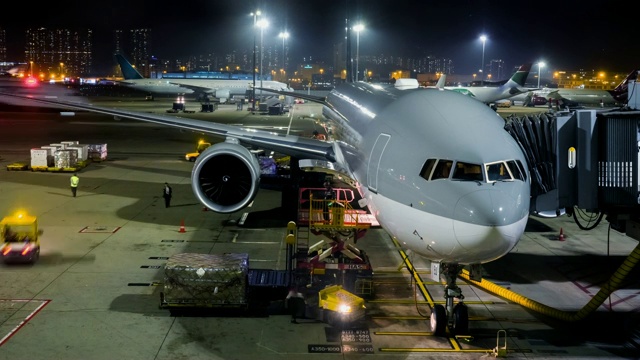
{"x":226,"y":177}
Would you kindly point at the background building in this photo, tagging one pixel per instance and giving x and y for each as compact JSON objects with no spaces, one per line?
{"x":56,"y":53}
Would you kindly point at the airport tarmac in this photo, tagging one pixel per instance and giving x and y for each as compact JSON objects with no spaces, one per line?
{"x":94,"y":293}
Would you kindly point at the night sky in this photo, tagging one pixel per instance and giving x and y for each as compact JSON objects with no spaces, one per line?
{"x":568,"y":35}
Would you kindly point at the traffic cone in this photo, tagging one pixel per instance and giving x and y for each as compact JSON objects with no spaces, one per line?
{"x":182,"y":229}
{"x":561,"y":237}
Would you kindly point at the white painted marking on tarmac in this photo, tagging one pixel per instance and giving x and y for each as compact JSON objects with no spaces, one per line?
{"x":23,"y":322}
{"x":243,"y":218}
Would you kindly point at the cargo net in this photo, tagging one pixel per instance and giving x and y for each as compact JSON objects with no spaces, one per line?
{"x":537,"y":138}
{"x":206,"y":280}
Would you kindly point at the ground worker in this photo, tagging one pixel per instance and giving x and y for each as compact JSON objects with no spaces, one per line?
{"x":75,"y":180}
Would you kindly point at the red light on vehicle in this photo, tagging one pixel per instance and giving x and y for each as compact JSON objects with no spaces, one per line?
{"x":26,"y":250}
{"x":6,"y":250}
{"x":31,"y":81}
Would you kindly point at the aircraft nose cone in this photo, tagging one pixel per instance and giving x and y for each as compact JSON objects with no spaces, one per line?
{"x":490,"y":219}
{"x":489,"y":208}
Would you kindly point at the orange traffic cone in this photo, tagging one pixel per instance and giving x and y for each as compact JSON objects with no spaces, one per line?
{"x":182,"y":229}
{"x":561,"y":237}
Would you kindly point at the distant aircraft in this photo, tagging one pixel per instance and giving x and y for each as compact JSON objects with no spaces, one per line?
{"x":217,"y":88}
{"x":490,"y":94}
{"x":437,"y":169}
{"x":18,"y":70}
{"x":589,"y":97}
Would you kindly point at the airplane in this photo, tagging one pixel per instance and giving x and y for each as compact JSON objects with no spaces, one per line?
{"x":589,"y":97}
{"x":490,"y":94}
{"x":218,"y":88}
{"x":18,"y":70}
{"x":436,"y":168}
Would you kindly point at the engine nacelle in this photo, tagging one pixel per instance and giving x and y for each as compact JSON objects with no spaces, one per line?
{"x":226,"y":177}
{"x":223,"y":95}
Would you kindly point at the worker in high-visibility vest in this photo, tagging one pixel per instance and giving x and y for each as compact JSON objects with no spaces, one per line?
{"x":75,"y":180}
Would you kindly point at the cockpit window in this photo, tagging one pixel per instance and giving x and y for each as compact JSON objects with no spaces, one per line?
{"x":435,"y":169}
{"x":517,"y":170}
{"x":498,"y":172}
{"x":467,"y":172}
{"x":442,"y":170}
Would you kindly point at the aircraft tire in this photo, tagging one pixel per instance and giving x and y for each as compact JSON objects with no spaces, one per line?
{"x":461,"y":319}
{"x":438,"y":320}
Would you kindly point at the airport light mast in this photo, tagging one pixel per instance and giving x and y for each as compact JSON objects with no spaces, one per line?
{"x":253,"y":90}
{"x":483,"y":38}
{"x":357,"y":29}
{"x":263,"y":23}
{"x":540,"y":66}
{"x":284,"y":35}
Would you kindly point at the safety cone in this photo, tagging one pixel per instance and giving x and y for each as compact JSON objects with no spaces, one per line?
{"x":182,"y":229}
{"x":561,"y":237}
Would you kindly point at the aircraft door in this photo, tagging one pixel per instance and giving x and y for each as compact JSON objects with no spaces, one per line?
{"x":374,"y":161}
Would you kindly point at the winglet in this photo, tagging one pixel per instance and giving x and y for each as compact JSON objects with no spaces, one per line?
{"x":128,"y":71}
{"x":441,"y":82}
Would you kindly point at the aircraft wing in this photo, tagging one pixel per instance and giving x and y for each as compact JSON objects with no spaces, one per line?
{"x":195,"y":88}
{"x":299,"y":147}
{"x":554,"y":95}
{"x":312,"y":98}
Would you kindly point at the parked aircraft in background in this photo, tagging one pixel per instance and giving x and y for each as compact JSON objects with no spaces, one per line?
{"x":490,"y":94}
{"x":220,"y":89}
{"x":589,"y":97}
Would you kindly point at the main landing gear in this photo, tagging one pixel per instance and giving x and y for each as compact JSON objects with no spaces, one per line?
{"x":456,"y":317}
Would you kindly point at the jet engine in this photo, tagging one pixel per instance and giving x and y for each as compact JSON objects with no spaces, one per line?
{"x":226,"y":177}
{"x":223,"y":95}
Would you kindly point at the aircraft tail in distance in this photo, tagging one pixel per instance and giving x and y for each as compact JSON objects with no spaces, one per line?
{"x":521,"y":75}
{"x":128,"y":71}
{"x":619,"y":93}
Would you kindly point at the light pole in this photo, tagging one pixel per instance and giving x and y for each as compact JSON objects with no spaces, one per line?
{"x":253,"y":90}
{"x":357,"y":29}
{"x":262,"y":23}
{"x":284,"y":35}
{"x":483,"y":38}
{"x":540,"y":66}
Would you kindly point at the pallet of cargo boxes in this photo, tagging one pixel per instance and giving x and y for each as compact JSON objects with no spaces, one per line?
{"x":208,"y":281}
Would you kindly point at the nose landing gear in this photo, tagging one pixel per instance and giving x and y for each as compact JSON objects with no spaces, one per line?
{"x":455,"y":316}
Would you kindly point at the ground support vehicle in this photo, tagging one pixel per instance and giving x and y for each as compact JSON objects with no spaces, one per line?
{"x":339,"y":307}
{"x":20,"y":238}
{"x":202,"y":146}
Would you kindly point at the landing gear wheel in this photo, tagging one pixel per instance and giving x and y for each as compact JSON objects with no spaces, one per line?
{"x":438,"y":320}
{"x":461,"y":319}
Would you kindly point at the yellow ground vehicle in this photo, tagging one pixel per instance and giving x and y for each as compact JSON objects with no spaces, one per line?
{"x":202,"y":146}
{"x":340,"y":307}
{"x":20,"y":238}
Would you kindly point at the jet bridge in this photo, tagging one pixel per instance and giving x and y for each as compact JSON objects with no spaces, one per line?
{"x":585,"y":160}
